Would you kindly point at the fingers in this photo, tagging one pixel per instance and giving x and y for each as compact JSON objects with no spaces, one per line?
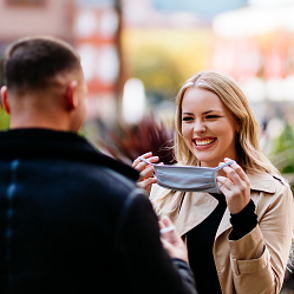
{"x":146,"y":171}
{"x":146,"y":183}
{"x":165,"y":222}
{"x":237,"y":168}
{"x":140,"y":165}
{"x":144,"y":168}
{"x":235,"y":187}
{"x":171,"y":239}
{"x":224,"y":184}
{"x":235,"y":176}
{"x":168,"y":230}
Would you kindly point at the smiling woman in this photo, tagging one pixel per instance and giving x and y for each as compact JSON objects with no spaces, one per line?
{"x":208,"y":127}
{"x":238,"y":241}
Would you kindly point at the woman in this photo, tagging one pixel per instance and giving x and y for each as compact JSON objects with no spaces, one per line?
{"x":238,"y":241}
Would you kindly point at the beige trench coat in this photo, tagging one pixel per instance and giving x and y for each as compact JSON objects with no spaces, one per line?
{"x":256,"y":263}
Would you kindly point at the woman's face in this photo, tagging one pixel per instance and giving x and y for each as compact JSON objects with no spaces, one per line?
{"x":208,"y":127}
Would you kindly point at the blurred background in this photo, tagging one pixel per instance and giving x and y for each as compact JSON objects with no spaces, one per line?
{"x":137,"y":53}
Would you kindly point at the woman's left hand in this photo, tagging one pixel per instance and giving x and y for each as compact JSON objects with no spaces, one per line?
{"x":235,"y":187}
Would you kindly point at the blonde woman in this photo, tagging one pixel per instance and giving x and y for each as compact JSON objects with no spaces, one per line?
{"x":238,"y":239}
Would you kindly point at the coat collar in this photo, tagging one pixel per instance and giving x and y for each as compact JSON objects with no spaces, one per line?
{"x":262,"y":182}
{"x":39,"y":143}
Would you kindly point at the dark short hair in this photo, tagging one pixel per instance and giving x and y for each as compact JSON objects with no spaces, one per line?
{"x":30,"y":63}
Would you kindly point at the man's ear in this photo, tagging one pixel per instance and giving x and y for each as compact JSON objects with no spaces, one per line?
{"x":70,"y":95}
{"x":5,"y":103}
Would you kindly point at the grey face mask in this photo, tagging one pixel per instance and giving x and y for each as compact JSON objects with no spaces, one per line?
{"x":187,"y":178}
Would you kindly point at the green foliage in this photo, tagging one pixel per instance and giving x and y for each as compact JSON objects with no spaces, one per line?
{"x":282,"y":153}
{"x":4,"y":120}
{"x":158,"y":72}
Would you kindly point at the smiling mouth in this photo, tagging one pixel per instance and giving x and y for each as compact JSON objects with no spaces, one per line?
{"x":204,"y":142}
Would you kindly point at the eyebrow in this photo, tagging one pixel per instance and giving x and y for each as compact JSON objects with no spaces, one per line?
{"x":205,"y":112}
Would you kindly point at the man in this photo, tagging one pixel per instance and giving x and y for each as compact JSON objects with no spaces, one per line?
{"x":71,"y":219}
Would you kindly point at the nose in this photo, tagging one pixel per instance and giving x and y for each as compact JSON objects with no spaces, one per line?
{"x":199,"y":127}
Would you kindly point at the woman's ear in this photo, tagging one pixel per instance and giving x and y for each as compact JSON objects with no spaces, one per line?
{"x":70,"y":95}
{"x":5,"y":103}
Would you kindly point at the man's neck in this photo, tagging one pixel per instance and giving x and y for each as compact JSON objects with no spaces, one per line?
{"x":47,"y":123}
{"x":51,"y":119}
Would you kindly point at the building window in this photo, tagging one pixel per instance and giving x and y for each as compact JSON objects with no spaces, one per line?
{"x":25,"y":2}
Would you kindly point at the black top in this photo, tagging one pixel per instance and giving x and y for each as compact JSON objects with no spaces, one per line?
{"x":200,"y":242}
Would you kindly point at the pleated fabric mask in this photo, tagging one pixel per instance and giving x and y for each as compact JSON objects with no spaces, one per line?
{"x":187,"y":178}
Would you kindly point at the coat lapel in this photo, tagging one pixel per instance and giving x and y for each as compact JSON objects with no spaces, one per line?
{"x":185,"y":209}
{"x":195,"y":208}
{"x":224,"y":224}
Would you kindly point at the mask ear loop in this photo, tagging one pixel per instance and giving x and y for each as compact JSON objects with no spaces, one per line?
{"x":225,"y":164}
{"x":146,"y":161}
{"x":220,"y":167}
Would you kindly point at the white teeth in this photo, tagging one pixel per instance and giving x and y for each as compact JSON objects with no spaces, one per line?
{"x":203,"y":142}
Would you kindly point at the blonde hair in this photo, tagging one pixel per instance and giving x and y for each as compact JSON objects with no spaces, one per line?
{"x":249,"y":154}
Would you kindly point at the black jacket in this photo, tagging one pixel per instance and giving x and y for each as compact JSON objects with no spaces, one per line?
{"x":73,"y":221}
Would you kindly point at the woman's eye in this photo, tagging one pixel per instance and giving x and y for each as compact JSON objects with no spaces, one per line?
{"x":187,"y":118}
{"x":212,"y":116}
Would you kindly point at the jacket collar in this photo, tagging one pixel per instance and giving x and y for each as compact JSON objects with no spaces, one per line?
{"x":262,"y":182}
{"x":37,"y":143}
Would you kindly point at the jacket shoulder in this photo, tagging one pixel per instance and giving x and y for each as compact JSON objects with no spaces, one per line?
{"x":268,"y":183}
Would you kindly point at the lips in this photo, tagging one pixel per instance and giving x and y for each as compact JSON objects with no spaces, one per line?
{"x":204,"y":142}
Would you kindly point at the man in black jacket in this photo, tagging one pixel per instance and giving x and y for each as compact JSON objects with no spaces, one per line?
{"x":71,"y":219}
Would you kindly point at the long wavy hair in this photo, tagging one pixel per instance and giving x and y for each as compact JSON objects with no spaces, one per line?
{"x":249,"y":155}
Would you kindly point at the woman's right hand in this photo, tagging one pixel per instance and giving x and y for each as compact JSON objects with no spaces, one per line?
{"x":172,"y":240}
{"x":146,"y":171}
